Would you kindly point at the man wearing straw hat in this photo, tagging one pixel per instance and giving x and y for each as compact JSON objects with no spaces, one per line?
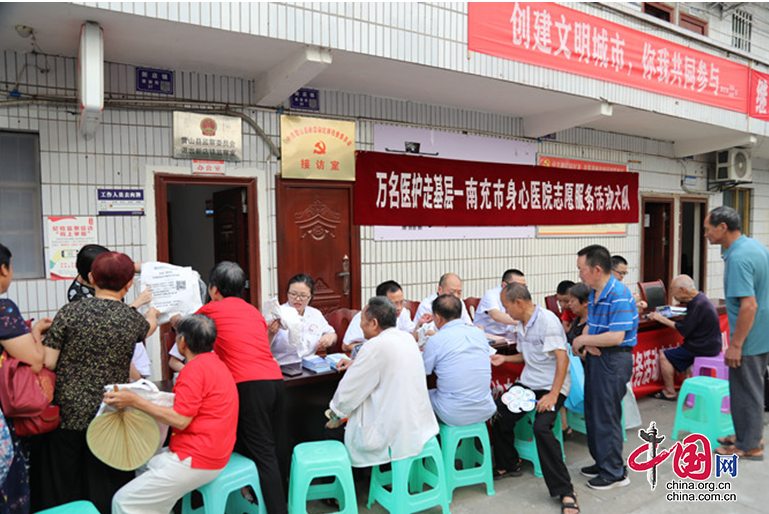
{"x":204,"y":420}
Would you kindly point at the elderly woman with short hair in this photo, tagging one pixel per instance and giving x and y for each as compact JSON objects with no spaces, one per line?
{"x":89,"y":345}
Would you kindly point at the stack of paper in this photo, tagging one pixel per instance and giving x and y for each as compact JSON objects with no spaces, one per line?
{"x":334,"y":358}
{"x":316,"y":364}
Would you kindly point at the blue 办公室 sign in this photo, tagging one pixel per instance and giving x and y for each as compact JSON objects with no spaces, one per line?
{"x":150,"y":80}
{"x":307,"y":99}
{"x":120,"y":202}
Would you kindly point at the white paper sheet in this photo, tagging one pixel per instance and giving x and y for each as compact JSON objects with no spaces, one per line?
{"x":175,"y":289}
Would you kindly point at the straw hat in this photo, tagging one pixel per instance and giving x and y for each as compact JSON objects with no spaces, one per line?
{"x":124,"y":439}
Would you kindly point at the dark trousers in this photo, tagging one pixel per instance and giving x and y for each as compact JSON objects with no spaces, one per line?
{"x":554,"y":469}
{"x":606,"y":378}
{"x":746,"y":390}
{"x":64,"y":470}
{"x":261,"y":437}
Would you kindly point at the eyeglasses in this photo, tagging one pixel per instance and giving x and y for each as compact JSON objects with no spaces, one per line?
{"x":620,"y":273}
{"x":295,"y":296}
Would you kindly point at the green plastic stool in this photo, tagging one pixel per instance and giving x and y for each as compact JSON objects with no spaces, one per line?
{"x":402,"y":479}
{"x":458,"y":443}
{"x":80,"y":507}
{"x":222,"y":495}
{"x":526,"y":445}
{"x":577,"y":422}
{"x":706,"y":417}
{"x":321,"y":459}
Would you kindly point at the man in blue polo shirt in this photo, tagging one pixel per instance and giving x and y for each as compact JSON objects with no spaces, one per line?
{"x":612,"y":323}
{"x":746,"y":287}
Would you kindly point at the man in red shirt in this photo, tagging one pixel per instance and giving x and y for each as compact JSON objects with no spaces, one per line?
{"x":203,"y":420}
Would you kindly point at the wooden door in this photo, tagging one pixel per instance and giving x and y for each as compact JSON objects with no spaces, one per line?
{"x":657,"y":240}
{"x":316,"y":236}
{"x":231,"y":230}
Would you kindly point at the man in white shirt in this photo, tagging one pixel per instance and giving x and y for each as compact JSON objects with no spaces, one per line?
{"x":354,"y":337}
{"x":449,"y":284}
{"x":490,"y":314}
{"x":384,"y":395}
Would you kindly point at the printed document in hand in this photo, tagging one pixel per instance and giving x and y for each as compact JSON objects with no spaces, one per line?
{"x":289,"y":320}
{"x":175,"y":289}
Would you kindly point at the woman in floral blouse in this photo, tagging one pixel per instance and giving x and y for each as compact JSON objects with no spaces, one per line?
{"x":89,"y":345}
{"x":19,"y":342}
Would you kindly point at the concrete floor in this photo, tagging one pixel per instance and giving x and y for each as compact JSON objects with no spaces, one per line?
{"x":529,"y":494}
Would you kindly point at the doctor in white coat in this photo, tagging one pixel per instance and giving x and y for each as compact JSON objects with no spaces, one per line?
{"x":388,"y":383}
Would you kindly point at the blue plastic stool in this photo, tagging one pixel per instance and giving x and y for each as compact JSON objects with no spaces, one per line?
{"x":401,"y":479}
{"x":526,"y":445}
{"x":79,"y":507}
{"x":319,"y":460}
{"x":707,"y":416}
{"x":577,"y":422}
{"x":459,"y":443}
{"x":222,"y":495}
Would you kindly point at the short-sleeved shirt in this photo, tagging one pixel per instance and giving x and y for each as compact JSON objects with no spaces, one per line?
{"x":205,"y":392}
{"x":11,"y":323}
{"x":537,"y":340}
{"x":490,"y":301}
{"x":78,"y":291}
{"x":568,"y":316}
{"x":241,"y":340}
{"x":314,"y":326}
{"x":426,"y":307}
{"x":96,"y":338}
{"x":700,"y":327}
{"x":354,"y":333}
{"x":614,"y":310}
{"x":459,"y":356}
{"x":746,"y":273}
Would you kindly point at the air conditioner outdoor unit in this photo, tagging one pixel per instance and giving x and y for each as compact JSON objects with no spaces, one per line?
{"x":733,"y":165}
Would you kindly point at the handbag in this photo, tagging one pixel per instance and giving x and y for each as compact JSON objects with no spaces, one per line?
{"x":26,"y":397}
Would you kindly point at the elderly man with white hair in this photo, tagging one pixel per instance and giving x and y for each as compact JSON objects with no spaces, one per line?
{"x":700,"y":328}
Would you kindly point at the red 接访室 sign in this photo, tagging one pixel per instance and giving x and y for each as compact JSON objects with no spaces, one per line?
{"x":557,"y":37}
{"x":402,"y":190}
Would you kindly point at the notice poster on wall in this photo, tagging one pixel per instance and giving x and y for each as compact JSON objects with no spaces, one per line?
{"x":65,"y":237}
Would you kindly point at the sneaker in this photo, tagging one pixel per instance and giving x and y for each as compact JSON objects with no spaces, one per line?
{"x":601,"y":483}
{"x":590,"y":471}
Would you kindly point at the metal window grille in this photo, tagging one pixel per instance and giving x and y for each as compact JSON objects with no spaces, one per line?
{"x":742,"y":29}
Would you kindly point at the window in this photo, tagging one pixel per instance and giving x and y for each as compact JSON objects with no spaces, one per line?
{"x":742,"y":29}
{"x":21,"y":220}
{"x":669,"y":14}
{"x":739,"y":199}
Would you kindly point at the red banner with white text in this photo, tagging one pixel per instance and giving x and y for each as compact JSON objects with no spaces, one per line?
{"x":557,"y":37}
{"x":759,"y":95}
{"x":402,"y":190}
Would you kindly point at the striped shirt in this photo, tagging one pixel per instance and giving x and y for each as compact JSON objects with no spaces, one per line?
{"x":613,"y":311}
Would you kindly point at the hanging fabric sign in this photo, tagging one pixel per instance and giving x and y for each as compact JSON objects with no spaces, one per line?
{"x":402,"y":190}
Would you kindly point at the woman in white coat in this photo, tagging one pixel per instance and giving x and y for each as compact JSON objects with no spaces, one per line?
{"x":317,"y":334}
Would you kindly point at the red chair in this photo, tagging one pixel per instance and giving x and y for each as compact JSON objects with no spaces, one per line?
{"x":653,"y":293}
{"x":472,"y":302}
{"x":551,"y":302}
{"x":340,"y":320}
{"x":412,"y":306}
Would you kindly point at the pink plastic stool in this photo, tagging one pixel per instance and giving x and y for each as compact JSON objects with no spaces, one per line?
{"x":711,"y":367}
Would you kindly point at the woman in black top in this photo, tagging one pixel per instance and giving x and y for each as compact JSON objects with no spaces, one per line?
{"x":578,"y":299}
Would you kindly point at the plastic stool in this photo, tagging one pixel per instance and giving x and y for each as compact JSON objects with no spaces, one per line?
{"x":79,"y":507}
{"x":526,"y":445}
{"x":321,"y":459}
{"x":711,"y":367}
{"x":222,"y":494}
{"x":459,"y":443}
{"x":577,"y":422}
{"x":706,"y":417}
{"x":401,"y":478}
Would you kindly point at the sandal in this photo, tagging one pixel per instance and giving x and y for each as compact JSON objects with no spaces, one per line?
{"x":515,"y":471}
{"x":659,"y":395}
{"x":569,"y":505}
{"x":731,"y":440}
